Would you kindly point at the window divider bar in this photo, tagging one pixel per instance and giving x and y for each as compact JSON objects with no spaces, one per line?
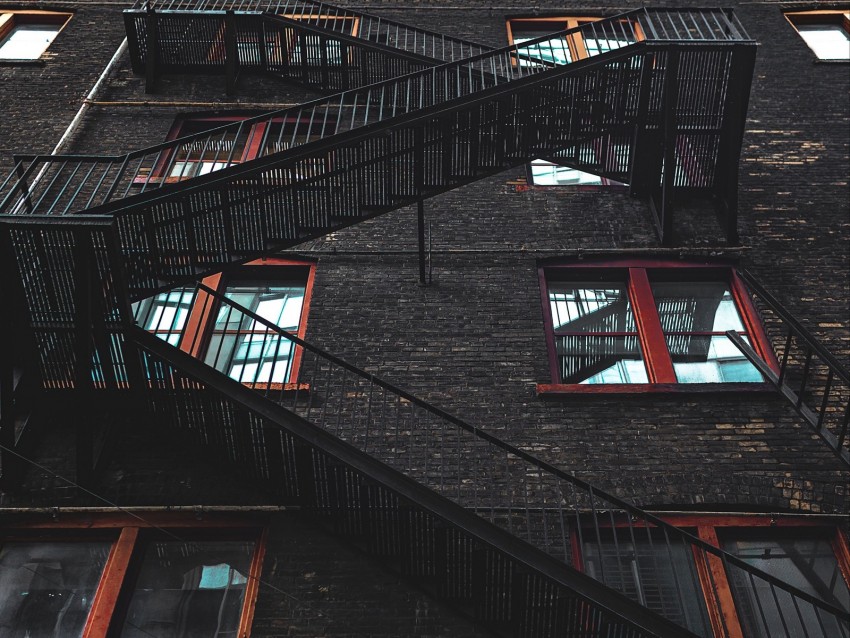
{"x":653,"y":343}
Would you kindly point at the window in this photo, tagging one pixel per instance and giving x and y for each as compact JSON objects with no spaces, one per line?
{"x":209,"y":143}
{"x":277,"y":290}
{"x":826,"y":32}
{"x":806,"y":562}
{"x":307,"y":49}
{"x":25,"y":35}
{"x":561,"y":51}
{"x":696,"y":591}
{"x":630,"y":324}
{"x":186,"y":578}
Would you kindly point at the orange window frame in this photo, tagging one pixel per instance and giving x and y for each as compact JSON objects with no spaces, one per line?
{"x":125,"y":531}
{"x":554,"y":24}
{"x":715,"y":586}
{"x":253,"y":146}
{"x":840,"y":17}
{"x":653,"y":345}
{"x":290,"y":36}
{"x":9,"y":20}
{"x":201,"y":320}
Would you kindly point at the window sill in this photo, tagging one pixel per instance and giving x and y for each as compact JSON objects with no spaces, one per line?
{"x":819,"y":61}
{"x":284,"y":388}
{"x":564,"y":390}
{"x":23,"y":62}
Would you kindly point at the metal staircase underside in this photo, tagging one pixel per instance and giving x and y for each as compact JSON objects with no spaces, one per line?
{"x":84,"y":236}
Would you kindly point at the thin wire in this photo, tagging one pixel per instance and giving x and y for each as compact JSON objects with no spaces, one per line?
{"x":148,"y":523}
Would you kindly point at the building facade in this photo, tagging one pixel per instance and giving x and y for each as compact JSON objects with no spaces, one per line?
{"x":451,"y":355}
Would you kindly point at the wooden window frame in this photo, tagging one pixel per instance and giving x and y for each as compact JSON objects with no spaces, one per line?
{"x":715,"y":586}
{"x":840,"y":17}
{"x":252,"y":150}
{"x":200,"y":323}
{"x":11,"y":19}
{"x":125,"y":532}
{"x":656,"y":358}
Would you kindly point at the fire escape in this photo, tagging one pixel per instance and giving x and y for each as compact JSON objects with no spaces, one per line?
{"x":474,"y":520}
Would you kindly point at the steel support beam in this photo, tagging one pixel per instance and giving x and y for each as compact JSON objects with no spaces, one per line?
{"x":151,"y":50}
{"x":662,"y":200}
{"x":231,"y":52}
{"x":83,"y":352}
{"x":741,"y":69}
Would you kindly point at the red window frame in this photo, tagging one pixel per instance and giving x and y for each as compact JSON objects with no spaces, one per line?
{"x":201,"y":320}
{"x":124,"y":531}
{"x":181,"y":128}
{"x":653,"y":344}
{"x":711,"y":528}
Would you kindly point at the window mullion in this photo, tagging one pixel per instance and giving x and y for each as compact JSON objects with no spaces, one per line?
{"x":110,"y":584}
{"x":656,"y":354}
{"x":716,"y":588}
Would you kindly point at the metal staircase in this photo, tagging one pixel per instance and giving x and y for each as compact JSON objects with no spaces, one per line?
{"x":335,"y":161}
{"x":313,"y":43}
{"x":354,"y":447}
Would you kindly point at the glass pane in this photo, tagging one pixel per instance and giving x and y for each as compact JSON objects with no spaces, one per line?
{"x":710,"y":359}
{"x":545,"y":173}
{"x":595,"y":46}
{"x":658,"y":575}
{"x":696,"y":306}
{"x":828,"y":41}
{"x":600,"y":359}
{"x":806,"y":564}
{"x":590,"y":307}
{"x":555,"y":50}
{"x":46,"y":589}
{"x":253,"y":353}
{"x":27,"y":42}
{"x":165,"y":314}
{"x":189,"y":590}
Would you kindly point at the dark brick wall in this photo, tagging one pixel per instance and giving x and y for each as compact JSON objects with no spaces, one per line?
{"x":473,"y":342}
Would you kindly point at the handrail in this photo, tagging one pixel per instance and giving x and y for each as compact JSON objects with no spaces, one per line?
{"x":793,"y":324}
{"x":807,"y":374}
{"x":172,"y":369}
{"x":370,"y":29}
{"x":333,"y":399}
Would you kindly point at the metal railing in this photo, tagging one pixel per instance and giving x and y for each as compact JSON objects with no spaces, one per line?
{"x":804,"y":372}
{"x":622,"y":546}
{"x":367,"y":27}
{"x":73,"y":183}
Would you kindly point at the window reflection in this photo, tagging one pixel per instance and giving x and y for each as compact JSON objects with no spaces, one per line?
{"x":652,"y":571}
{"x":245,"y":349}
{"x":807,"y":564}
{"x":694,"y":316}
{"x":165,"y":314}
{"x":189,"y":590}
{"x":595,"y":335}
{"x":46,"y":589}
